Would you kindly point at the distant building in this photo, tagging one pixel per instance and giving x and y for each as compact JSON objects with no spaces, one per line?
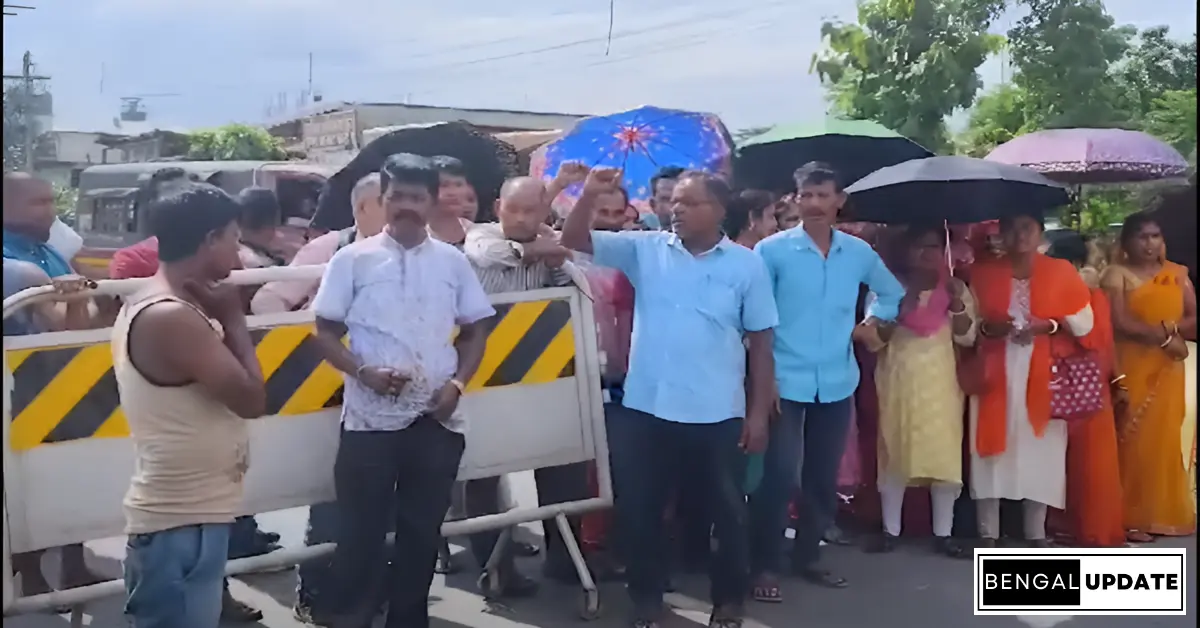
{"x":59,"y":156}
{"x":156,"y":145}
{"x":334,"y":131}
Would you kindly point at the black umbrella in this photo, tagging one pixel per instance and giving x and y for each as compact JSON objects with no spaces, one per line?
{"x":488,"y":162}
{"x":854,"y":148}
{"x":953,"y":189}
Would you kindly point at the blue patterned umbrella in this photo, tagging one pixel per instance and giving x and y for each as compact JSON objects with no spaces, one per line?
{"x":640,"y":142}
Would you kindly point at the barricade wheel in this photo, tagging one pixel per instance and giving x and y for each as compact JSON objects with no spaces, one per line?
{"x":589,"y":605}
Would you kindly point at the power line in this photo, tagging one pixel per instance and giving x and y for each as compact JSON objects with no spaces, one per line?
{"x":660,"y":28}
{"x":690,"y":21}
{"x":642,"y":54}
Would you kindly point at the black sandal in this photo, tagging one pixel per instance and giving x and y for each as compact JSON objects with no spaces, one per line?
{"x":823,"y":578}
{"x":882,"y":544}
{"x":950,"y":548}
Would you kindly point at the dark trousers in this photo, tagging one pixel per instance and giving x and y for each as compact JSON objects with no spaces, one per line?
{"x":555,"y":485}
{"x":810,"y":437}
{"x":414,"y":469}
{"x":314,"y":576}
{"x":691,"y":522}
{"x":646,"y":454}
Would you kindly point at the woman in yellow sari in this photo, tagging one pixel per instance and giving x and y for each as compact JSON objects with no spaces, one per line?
{"x":1154,"y":312}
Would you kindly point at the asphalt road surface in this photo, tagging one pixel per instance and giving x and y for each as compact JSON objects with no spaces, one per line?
{"x":909,"y":588}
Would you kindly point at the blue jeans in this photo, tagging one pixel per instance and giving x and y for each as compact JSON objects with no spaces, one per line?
{"x":173,"y":578}
{"x":647,"y":454}
{"x":808,"y":438}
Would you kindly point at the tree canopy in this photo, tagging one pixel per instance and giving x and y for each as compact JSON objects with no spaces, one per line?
{"x":1075,"y":67}
{"x":908,"y":64}
{"x":234,"y":142}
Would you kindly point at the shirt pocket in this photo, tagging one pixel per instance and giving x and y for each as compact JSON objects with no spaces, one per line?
{"x":720,"y":299}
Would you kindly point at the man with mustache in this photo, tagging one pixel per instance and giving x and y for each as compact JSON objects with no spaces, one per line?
{"x":816,"y":271}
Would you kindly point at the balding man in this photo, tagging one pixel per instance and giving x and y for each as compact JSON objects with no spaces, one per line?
{"x":521,"y":253}
{"x":29,"y":261}
{"x":369,"y":218}
{"x":28,"y":217}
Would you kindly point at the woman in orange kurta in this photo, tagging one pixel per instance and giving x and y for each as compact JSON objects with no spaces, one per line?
{"x":1154,"y":311}
{"x":1094,"y":514}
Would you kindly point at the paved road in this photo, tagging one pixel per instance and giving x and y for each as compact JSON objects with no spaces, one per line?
{"x":910,"y":588}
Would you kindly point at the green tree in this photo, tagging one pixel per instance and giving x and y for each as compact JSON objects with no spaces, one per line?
{"x":998,"y":116}
{"x":234,"y":142}
{"x":1172,"y":118}
{"x":14,"y":132}
{"x":65,"y":199}
{"x":1154,"y":65}
{"x":1063,"y":51}
{"x":908,"y":64}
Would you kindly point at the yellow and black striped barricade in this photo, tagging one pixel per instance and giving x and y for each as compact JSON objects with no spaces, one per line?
{"x":534,"y":402}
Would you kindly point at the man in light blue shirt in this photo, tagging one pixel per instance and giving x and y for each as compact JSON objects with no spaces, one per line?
{"x":816,"y":272}
{"x":701,"y":302}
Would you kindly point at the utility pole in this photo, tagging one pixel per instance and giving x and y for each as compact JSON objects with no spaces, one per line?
{"x":25,"y":106}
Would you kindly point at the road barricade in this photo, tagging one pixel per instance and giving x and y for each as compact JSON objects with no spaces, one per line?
{"x":535,"y":402}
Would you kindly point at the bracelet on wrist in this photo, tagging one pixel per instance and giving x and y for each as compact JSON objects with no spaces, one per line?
{"x":1116,"y":380}
{"x":1053,"y":327}
{"x":1166,"y":342}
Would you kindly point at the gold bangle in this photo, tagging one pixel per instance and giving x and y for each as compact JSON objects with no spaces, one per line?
{"x":1116,"y":379}
{"x":1167,"y":341}
{"x":1053,"y":327}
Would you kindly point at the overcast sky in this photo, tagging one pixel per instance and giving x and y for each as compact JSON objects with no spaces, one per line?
{"x":228,"y":60}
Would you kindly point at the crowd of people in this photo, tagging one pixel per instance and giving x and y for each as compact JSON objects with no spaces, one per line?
{"x":749,"y":343}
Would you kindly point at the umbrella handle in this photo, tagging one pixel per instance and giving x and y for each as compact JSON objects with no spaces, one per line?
{"x":949,"y":253}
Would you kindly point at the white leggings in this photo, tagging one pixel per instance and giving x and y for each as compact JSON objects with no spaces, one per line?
{"x":942,"y":496}
{"x":988,"y":512}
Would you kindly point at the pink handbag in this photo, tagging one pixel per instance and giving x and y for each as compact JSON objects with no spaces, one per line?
{"x":1076,"y":386}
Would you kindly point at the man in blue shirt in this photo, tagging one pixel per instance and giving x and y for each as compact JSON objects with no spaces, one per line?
{"x":816,"y":272}
{"x":701,"y":302}
{"x":28,"y":217}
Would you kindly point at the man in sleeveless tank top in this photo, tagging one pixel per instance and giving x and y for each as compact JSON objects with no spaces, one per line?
{"x":402,"y":438}
{"x":188,"y":379}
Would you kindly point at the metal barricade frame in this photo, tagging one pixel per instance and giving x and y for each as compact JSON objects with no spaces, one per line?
{"x":587,"y":389}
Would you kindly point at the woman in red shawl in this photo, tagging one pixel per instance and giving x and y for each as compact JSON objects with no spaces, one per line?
{"x":1094,"y":516}
{"x":1027,"y":302}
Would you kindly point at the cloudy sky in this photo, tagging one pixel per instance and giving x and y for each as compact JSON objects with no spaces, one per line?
{"x":216,"y":61}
